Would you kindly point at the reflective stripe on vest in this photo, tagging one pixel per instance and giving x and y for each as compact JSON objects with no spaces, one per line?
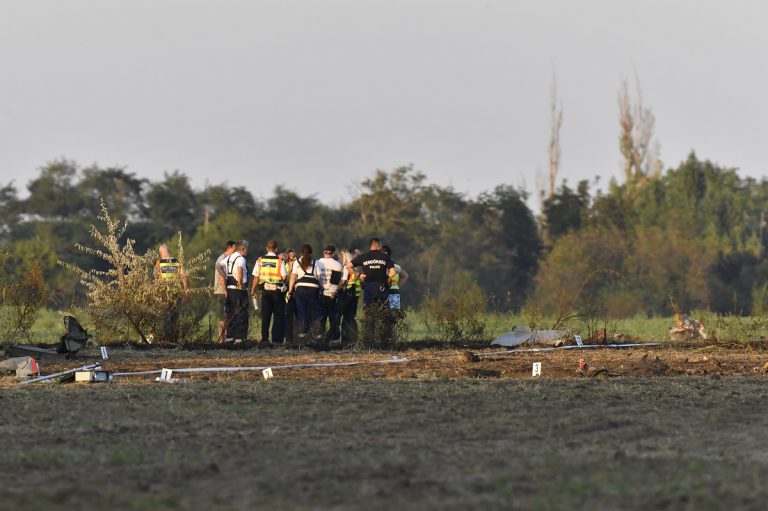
{"x":169,"y":268}
{"x":269,"y":270}
{"x":308,"y":279}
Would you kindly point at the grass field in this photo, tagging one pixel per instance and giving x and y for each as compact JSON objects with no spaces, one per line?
{"x":49,"y":326}
{"x":662,"y":443}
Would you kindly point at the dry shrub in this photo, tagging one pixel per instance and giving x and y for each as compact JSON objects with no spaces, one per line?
{"x":128,"y":296}
{"x":21,"y":299}
{"x":456,"y":315}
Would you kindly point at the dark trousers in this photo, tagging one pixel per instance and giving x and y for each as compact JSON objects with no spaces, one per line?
{"x":237,"y":313}
{"x":272,"y":304}
{"x":374,"y":293}
{"x":290,"y":320}
{"x":348,"y":307}
{"x":378,"y":319}
{"x":307,"y":307}
{"x":329,"y":308}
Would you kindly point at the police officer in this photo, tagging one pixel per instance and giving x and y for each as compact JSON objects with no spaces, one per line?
{"x":400,"y":278}
{"x":348,"y":299}
{"x":269,"y":273}
{"x":237,"y":293}
{"x":378,"y":268}
{"x":169,"y":272}
{"x":334,"y":278}
{"x":290,"y":301}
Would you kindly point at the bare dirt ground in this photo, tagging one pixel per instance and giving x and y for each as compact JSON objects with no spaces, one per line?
{"x":640,"y":429}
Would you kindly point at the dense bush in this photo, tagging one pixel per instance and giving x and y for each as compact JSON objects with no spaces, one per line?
{"x":127,"y":295}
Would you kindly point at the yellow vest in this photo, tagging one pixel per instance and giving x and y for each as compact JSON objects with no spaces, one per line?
{"x":394,"y":282}
{"x":354,"y":281}
{"x":269,"y":270}
{"x":169,"y":268}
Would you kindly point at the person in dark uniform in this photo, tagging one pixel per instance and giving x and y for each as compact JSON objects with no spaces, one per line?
{"x":269,"y":274}
{"x":378,"y":268}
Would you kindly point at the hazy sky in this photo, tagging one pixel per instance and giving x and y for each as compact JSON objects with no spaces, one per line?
{"x":318,"y":93}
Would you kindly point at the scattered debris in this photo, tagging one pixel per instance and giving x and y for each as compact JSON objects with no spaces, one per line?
{"x":64,"y":375}
{"x":69,"y":343}
{"x":93,"y":376}
{"x":24,"y":366}
{"x":522,"y":335}
{"x":569,"y":347}
{"x":686,"y":329}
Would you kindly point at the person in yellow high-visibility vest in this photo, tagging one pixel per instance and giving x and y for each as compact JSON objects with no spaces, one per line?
{"x":169,"y":270}
{"x":270,"y":274}
{"x":349,"y":298}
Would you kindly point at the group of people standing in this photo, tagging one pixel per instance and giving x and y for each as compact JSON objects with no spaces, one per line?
{"x":303,"y":299}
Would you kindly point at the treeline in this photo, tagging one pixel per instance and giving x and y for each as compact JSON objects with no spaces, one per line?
{"x":691,"y":237}
{"x":435,"y":232}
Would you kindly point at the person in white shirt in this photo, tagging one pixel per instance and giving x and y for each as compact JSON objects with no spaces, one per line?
{"x":236,"y":271}
{"x":220,"y":288}
{"x":334,"y":278}
{"x":306,"y":279}
{"x":269,"y":273}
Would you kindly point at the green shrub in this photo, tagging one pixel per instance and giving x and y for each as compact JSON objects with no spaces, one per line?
{"x":20,"y":299}
{"x":128,"y":296}
{"x":457,"y":314}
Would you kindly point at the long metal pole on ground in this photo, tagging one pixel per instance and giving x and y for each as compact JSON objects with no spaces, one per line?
{"x":261,"y":368}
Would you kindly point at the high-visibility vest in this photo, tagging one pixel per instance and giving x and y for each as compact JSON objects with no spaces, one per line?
{"x":394,"y":282}
{"x":354,"y":282}
{"x":169,"y":268}
{"x":269,"y":270}
{"x":308,"y":279}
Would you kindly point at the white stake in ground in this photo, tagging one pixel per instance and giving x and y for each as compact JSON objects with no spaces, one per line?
{"x":536,"y":369}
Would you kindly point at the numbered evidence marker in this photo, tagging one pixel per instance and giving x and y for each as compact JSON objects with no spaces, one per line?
{"x":165,"y":374}
{"x":267,"y":373}
{"x":536,"y":369}
{"x":104,"y":354}
{"x":579,"y":342}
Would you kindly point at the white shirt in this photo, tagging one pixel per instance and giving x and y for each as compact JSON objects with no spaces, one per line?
{"x":235,"y":261}
{"x":299,"y":271}
{"x":329,"y":266}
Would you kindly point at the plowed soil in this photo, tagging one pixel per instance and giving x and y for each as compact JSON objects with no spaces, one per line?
{"x":650,"y":428}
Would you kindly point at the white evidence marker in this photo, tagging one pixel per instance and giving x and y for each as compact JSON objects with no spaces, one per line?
{"x":536,"y":369}
{"x":165,"y":374}
{"x":579,"y":342}
{"x":267,"y":373}
{"x":104,"y":354}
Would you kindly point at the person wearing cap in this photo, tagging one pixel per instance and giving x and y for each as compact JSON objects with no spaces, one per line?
{"x":237,"y":293}
{"x":334,"y":278}
{"x":269,"y":273}
{"x":220,"y":288}
{"x":399,"y":280}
